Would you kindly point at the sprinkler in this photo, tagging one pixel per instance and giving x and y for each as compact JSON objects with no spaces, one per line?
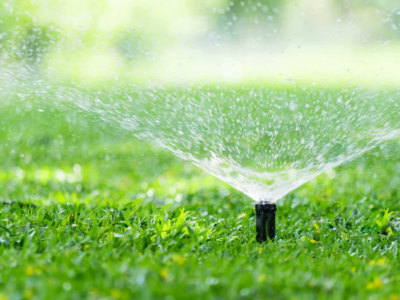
{"x":265,"y":221}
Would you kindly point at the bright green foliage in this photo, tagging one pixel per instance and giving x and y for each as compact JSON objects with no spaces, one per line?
{"x":102,"y":216}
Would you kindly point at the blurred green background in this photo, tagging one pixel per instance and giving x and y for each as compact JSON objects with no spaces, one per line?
{"x":315,"y":42}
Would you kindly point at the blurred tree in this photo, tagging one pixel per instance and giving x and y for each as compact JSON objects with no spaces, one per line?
{"x":239,"y":18}
{"x":22,"y":40}
{"x":35,"y":44}
{"x":134,"y":46}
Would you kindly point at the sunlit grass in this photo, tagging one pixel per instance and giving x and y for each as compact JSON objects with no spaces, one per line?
{"x":100,"y":215}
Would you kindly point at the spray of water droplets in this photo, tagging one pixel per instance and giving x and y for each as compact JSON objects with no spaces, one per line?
{"x":263,"y":138}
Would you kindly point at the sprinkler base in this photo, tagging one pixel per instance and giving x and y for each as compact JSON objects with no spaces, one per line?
{"x":265,"y":221}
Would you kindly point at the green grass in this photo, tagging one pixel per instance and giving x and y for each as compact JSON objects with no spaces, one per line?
{"x":100,"y":215}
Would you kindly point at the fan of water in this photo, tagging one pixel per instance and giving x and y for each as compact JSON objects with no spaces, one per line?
{"x":238,"y":97}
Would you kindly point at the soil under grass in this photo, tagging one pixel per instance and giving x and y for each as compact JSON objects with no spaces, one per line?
{"x":106,"y":217}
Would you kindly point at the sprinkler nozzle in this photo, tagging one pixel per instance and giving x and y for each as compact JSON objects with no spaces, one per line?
{"x":265,"y":221}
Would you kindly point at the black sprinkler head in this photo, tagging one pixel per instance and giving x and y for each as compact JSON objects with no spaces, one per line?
{"x":265,"y":221}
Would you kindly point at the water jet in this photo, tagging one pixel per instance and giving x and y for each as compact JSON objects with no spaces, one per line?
{"x":265,"y":221}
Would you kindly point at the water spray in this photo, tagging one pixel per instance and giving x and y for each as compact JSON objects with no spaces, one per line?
{"x":265,"y":221}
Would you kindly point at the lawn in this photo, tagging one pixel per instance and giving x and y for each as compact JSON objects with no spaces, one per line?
{"x":90,"y":212}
